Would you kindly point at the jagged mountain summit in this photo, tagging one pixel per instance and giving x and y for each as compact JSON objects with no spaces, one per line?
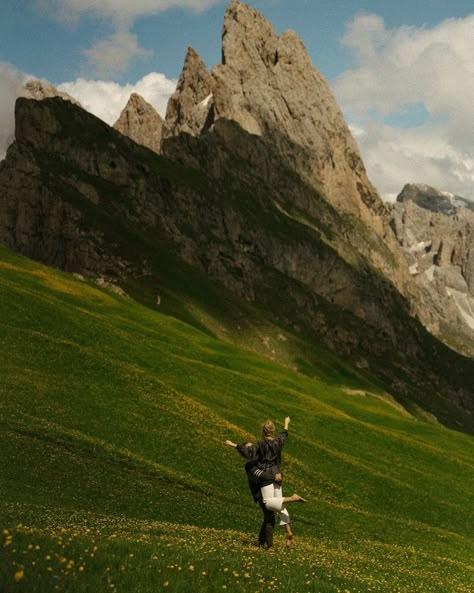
{"x":190,"y":108}
{"x":436,"y":231}
{"x":259,"y":187}
{"x":267,"y":87}
{"x":141,"y":122}
{"x":40,"y":89}
{"x":430,"y":198}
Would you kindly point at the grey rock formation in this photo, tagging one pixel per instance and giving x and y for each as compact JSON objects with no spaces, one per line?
{"x":436,"y":231}
{"x":268,"y":85}
{"x":269,"y":106}
{"x":190,"y":107}
{"x":432,"y":199}
{"x":77,"y":194}
{"x":40,"y":89}
{"x":141,"y":122}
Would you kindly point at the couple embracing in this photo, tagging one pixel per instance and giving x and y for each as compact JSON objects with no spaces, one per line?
{"x":264,"y":477}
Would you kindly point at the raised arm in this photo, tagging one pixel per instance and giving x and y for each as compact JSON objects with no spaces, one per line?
{"x":287,"y":422}
{"x":230,"y":444}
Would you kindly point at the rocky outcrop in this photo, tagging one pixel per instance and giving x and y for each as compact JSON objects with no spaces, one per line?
{"x":268,"y":85}
{"x":40,"y":89}
{"x":190,"y":108}
{"x":269,"y":106}
{"x":436,"y":231}
{"x":76,"y":194}
{"x":429,"y":198}
{"x":141,"y":122}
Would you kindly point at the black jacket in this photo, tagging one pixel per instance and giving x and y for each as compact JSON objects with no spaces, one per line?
{"x":264,"y":462}
{"x":268,"y":452}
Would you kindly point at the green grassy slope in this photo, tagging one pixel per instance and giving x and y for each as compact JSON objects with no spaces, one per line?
{"x":113,"y":473}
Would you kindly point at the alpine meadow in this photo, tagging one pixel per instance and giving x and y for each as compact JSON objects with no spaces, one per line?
{"x":168,"y":284}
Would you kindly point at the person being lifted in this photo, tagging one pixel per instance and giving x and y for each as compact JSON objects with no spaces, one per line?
{"x":264,"y":475}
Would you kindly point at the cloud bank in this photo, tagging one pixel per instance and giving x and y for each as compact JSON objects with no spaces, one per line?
{"x":102,"y":98}
{"x":107,"y":99}
{"x":119,"y":10}
{"x":403,"y":72}
{"x":112,"y":55}
{"x":11,"y":82}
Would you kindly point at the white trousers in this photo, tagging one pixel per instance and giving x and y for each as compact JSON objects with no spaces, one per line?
{"x":272,"y":496}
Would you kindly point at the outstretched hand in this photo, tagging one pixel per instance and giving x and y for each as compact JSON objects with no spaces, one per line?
{"x":230,"y":443}
{"x":287,"y":422}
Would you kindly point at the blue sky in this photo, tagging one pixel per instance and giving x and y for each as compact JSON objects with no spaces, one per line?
{"x":400,"y":69}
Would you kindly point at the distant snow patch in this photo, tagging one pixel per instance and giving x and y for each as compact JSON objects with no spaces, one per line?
{"x":205,"y":102}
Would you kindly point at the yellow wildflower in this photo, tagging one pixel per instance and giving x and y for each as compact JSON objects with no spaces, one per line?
{"x":19,"y":575}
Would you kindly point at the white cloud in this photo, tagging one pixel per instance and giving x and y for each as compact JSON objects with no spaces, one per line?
{"x":401,"y":68}
{"x":107,"y":99}
{"x":119,"y":10}
{"x":102,"y":98}
{"x":11,"y":82}
{"x":395,"y":156}
{"x":111,"y":56}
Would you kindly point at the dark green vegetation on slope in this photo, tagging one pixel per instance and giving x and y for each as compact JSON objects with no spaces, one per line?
{"x":113,"y":475}
{"x":77,"y":195}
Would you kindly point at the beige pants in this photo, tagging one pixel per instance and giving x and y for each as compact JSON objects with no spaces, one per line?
{"x":272,"y":496}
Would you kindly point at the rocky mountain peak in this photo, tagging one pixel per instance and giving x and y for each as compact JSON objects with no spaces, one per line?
{"x":432,"y":199}
{"x":40,"y":89}
{"x":266,"y":86}
{"x":436,"y":231}
{"x":248,"y":39}
{"x":190,"y":106}
{"x":141,"y":122}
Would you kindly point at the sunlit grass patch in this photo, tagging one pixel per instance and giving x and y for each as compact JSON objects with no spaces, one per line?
{"x":124,"y":555}
{"x":112,"y":422}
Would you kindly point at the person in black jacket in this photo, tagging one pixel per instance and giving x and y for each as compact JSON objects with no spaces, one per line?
{"x":264,"y":477}
{"x":268,"y":454}
{"x":256,"y":478}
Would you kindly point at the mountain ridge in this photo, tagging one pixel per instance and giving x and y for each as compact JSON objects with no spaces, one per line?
{"x":435,"y":230}
{"x":132,"y":190}
{"x":79,"y":195}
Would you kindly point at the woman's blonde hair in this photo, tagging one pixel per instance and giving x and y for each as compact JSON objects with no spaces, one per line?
{"x":268,"y":430}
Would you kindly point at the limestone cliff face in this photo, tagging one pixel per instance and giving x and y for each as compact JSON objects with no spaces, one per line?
{"x":141,"y":122}
{"x":267,"y":89}
{"x":436,"y":231}
{"x":77,"y":194}
{"x":268,"y":85}
{"x":190,"y":107}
